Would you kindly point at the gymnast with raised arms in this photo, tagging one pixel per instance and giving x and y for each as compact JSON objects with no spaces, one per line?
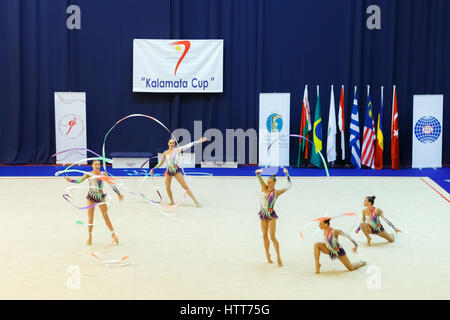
{"x":267,"y":214}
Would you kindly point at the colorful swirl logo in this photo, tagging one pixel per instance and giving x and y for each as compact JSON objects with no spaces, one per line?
{"x":187,"y":46}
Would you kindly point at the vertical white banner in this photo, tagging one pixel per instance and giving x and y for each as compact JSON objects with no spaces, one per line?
{"x":70,"y":126}
{"x":274,"y":111}
{"x":427,"y":131}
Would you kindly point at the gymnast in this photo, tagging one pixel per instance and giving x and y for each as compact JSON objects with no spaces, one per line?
{"x":172,"y":157}
{"x":332,"y":247}
{"x":371,"y":221}
{"x":96,"y":195}
{"x":267,"y":214}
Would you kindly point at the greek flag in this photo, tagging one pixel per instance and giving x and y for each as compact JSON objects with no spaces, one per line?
{"x":354,"y":134}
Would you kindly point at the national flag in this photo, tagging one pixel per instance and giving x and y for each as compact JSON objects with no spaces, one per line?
{"x":395,"y":156}
{"x":317,"y":135}
{"x":341,"y":122}
{"x":354,"y":134}
{"x":331,"y":137}
{"x":379,"y":142}
{"x":368,"y":150}
{"x":305,"y":127}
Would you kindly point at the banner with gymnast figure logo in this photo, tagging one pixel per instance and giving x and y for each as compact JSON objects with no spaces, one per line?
{"x":427,"y":131}
{"x":70,"y":126}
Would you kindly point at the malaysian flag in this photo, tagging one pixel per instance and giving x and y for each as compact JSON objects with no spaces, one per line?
{"x":354,"y":134}
{"x":368,"y":148}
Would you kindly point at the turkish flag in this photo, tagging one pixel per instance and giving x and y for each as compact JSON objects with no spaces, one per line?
{"x":395,"y":156}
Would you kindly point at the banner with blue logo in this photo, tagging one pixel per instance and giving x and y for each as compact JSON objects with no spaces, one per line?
{"x":427,"y":131}
{"x":177,"y":65}
{"x":274,"y":110}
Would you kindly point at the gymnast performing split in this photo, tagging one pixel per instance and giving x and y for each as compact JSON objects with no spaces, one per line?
{"x":96,"y":195}
{"x":371,"y":221}
{"x":267,"y":214}
{"x":332,"y":247}
{"x":172,"y":157}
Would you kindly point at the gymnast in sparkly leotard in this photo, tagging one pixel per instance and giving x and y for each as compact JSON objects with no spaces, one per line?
{"x":267,"y":213}
{"x":371,"y":223}
{"x":332,"y":247}
{"x":172,"y":158}
{"x":97,"y":195}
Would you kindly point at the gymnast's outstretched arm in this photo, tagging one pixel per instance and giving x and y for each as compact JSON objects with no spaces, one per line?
{"x":187,"y":146}
{"x":115,"y":190}
{"x":388,"y":222}
{"x":342,"y":233}
{"x":84,"y":177}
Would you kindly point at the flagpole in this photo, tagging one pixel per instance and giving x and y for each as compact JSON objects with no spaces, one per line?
{"x":392,"y":114}
{"x":332,"y":104}
{"x":343,"y":127}
{"x":394,"y":164}
{"x":332,"y":162}
{"x":379,"y":143}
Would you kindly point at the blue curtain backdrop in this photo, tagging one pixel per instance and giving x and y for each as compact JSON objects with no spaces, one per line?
{"x":270,"y":46}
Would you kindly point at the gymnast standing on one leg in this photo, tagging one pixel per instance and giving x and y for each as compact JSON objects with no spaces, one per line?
{"x":371,"y":221}
{"x":171,"y":157}
{"x":96,"y":195}
{"x":267,"y":215}
{"x":332,"y":247}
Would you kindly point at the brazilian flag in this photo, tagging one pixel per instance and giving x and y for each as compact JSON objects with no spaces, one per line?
{"x":317,"y":135}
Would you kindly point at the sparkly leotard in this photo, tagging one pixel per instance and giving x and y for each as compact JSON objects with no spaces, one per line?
{"x":267,"y":202}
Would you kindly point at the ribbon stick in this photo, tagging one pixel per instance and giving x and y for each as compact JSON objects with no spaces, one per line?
{"x":69,"y":199}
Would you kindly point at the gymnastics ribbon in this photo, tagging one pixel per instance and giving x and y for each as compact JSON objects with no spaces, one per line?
{"x":302,"y":137}
{"x":111,"y":263}
{"x":325,"y":218}
{"x":133,"y":116}
{"x":75,"y":149}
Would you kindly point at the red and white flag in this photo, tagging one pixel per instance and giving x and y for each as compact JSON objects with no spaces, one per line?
{"x":305,"y":127}
{"x":341,"y":122}
{"x":395,"y":156}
